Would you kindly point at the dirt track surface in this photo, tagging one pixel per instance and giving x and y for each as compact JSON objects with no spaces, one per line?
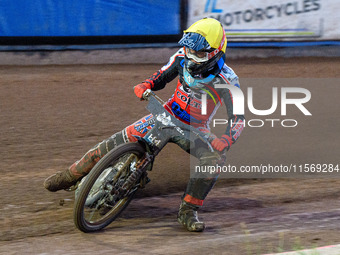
{"x":51,"y":115}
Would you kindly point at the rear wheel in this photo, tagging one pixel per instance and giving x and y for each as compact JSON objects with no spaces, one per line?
{"x":102,"y":196}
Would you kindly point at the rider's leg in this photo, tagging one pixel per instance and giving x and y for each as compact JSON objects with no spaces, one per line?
{"x":70,"y":176}
{"x":197,"y":189}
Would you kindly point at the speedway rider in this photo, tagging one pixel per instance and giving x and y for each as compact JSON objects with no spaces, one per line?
{"x":200,"y":64}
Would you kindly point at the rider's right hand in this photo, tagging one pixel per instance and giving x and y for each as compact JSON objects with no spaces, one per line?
{"x":141,"y":88}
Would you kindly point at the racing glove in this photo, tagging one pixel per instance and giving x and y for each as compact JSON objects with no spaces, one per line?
{"x":221,"y":143}
{"x":141,"y":88}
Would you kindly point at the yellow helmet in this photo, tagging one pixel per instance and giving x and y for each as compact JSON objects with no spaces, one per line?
{"x":212,"y":31}
{"x":205,"y":45}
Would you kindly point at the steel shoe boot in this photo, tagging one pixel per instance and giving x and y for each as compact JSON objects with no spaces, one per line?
{"x":60,"y":180}
{"x":187,"y":216}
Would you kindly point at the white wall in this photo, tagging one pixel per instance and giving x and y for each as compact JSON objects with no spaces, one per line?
{"x":280,"y":20}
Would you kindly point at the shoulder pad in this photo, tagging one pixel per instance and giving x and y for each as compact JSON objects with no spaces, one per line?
{"x":179,"y":53}
{"x":229,"y":76}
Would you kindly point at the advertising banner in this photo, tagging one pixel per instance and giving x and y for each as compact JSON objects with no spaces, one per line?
{"x":89,"y":18}
{"x":265,"y":20}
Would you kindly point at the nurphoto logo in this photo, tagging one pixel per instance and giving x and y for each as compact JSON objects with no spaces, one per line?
{"x":239,"y":105}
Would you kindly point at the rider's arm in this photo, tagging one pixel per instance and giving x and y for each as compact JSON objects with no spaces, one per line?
{"x":235,"y":122}
{"x":167,"y":73}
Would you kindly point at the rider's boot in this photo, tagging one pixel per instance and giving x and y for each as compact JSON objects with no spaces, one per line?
{"x":60,"y":180}
{"x":187,"y":216}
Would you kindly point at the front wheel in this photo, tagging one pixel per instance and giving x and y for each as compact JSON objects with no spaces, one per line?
{"x":101,"y":197}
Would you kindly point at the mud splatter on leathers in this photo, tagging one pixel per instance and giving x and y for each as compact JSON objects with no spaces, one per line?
{"x":185,"y":104}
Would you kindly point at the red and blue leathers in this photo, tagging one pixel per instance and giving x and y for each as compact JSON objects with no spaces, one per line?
{"x":186,"y":103}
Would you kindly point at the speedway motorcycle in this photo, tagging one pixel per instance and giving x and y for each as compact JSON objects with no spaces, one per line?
{"x":111,"y":185}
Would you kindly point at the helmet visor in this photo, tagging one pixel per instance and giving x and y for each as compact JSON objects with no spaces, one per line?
{"x":198,"y":56}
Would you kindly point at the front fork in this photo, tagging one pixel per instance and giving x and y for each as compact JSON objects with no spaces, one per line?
{"x":152,"y":146}
{"x":139,"y":174}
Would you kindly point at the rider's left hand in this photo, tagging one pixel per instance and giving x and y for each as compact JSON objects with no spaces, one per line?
{"x":221,"y":143}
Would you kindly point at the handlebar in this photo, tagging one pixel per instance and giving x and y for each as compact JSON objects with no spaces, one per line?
{"x":147,"y":93}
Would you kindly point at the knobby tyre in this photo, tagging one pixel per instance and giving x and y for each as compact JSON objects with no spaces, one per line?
{"x":95,"y":206}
